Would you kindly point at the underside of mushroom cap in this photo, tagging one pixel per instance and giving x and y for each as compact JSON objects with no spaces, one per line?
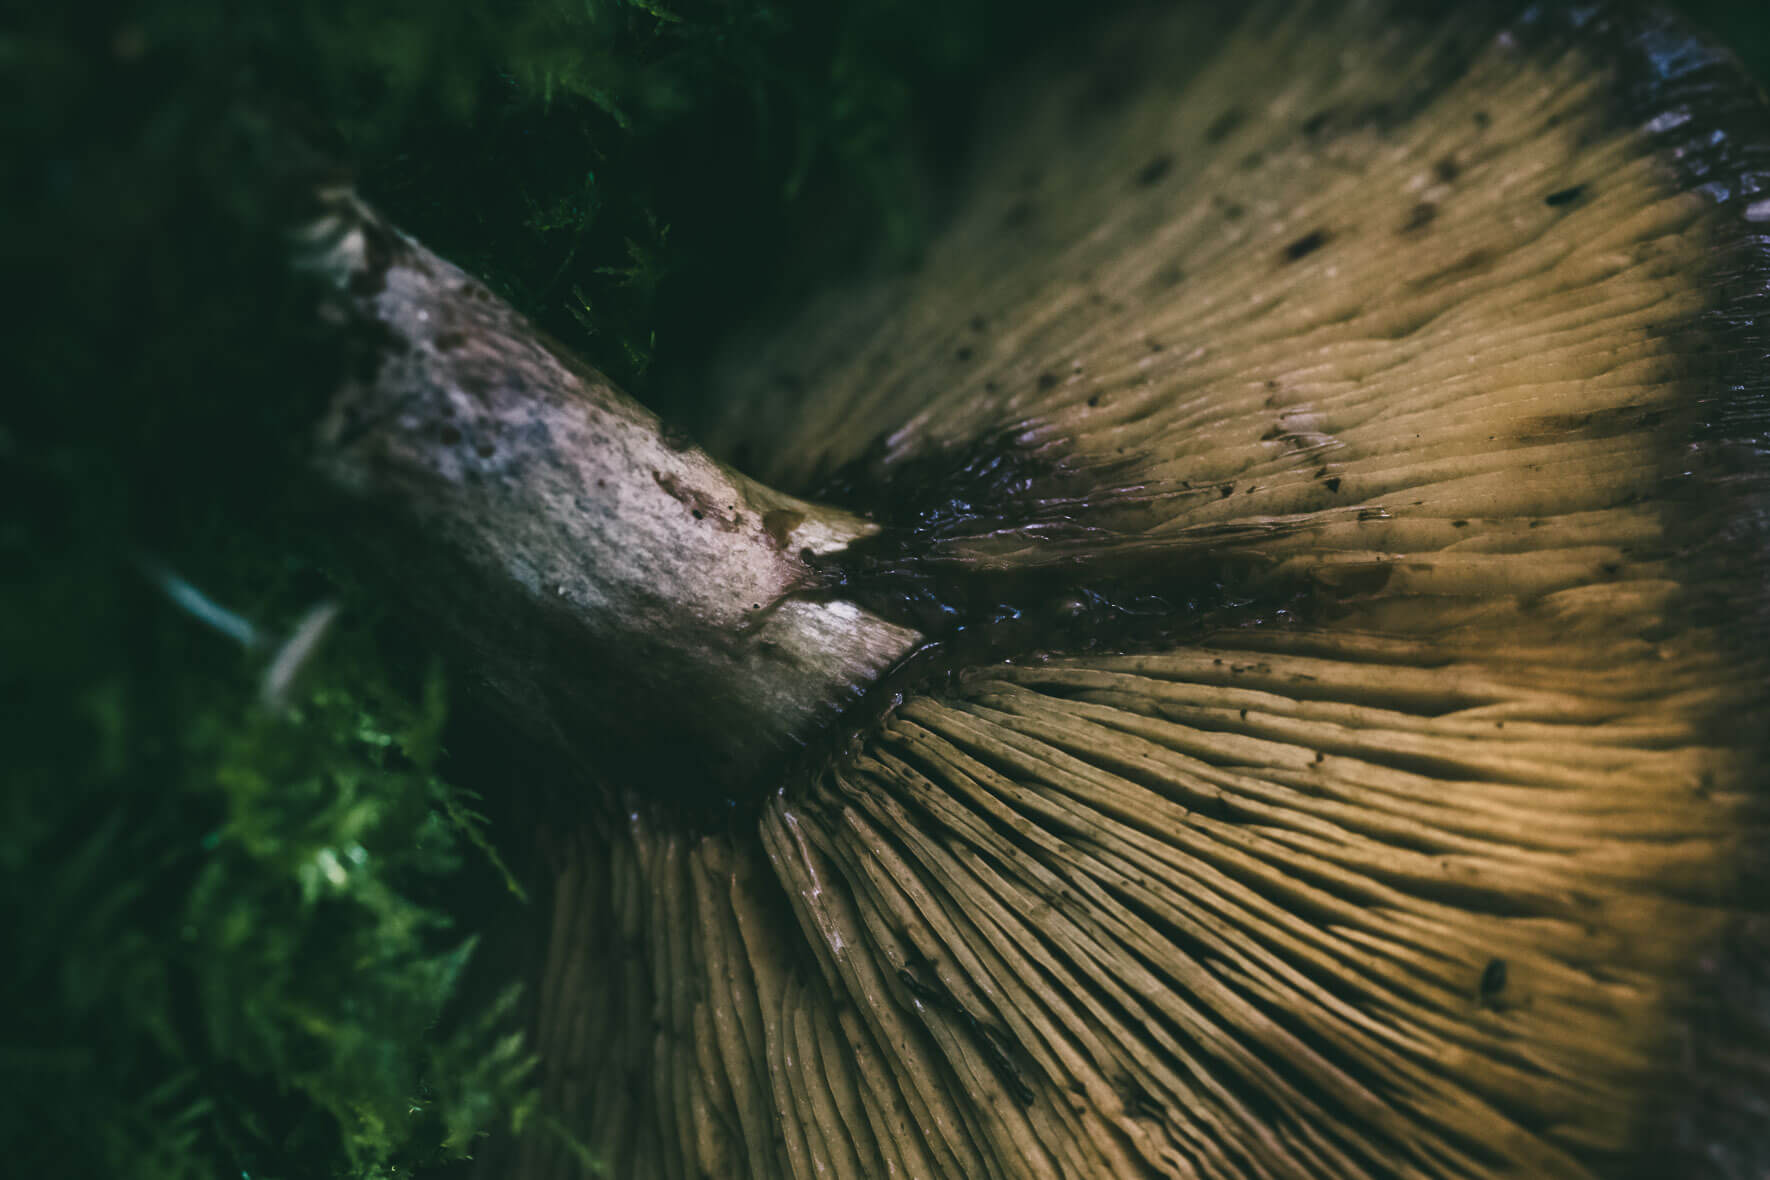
{"x":1380,"y":399}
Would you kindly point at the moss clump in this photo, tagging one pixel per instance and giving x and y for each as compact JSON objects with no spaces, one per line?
{"x":231,"y":937}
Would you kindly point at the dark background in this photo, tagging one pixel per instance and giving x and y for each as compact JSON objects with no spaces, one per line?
{"x":235,"y":933}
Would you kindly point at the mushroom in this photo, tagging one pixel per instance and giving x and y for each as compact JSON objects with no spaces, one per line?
{"x":1278,"y":690}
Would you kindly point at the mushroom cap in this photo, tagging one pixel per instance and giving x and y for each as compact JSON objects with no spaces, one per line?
{"x":1337,"y":428}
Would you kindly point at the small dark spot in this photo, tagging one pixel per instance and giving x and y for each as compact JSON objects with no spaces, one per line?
{"x":1139,"y":1103}
{"x":1276,"y":431}
{"x":1483,"y":119}
{"x":449,"y":341}
{"x":1306,"y":245}
{"x":1047,"y":380}
{"x":484,"y":450}
{"x":1459,"y":524}
{"x":450,"y":436}
{"x":1566,"y":196}
{"x":1153,"y":171}
{"x":1319,"y":758}
{"x":990,"y":386}
{"x":930,"y":995}
{"x":1168,"y":275}
{"x":1226,"y":491}
{"x":1252,"y":161}
{"x":1223,"y":125}
{"x":1333,"y":483}
{"x":1244,"y":714}
{"x":1317,"y":123}
{"x":963,"y":354}
{"x":1019,"y":213}
{"x":1155,"y":345}
{"x":1094,"y":400}
{"x":1493,"y":980}
{"x":1419,"y":217}
{"x":697,"y":513}
{"x":1447,"y":169}
{"x":977,"y":323}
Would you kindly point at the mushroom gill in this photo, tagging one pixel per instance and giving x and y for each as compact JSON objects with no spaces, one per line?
{"x":1335,"y":428}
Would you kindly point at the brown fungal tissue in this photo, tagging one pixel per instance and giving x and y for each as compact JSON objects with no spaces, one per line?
{"x":1311,"y":496}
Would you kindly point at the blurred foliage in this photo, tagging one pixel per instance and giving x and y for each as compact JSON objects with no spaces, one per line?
{"x":236,"y":934}
{"x":225,"y":951}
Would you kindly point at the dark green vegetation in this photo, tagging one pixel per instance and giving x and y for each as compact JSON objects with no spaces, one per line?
{"x":236,"y":931}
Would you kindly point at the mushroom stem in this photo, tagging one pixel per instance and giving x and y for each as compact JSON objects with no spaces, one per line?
{"x":622,"y":593}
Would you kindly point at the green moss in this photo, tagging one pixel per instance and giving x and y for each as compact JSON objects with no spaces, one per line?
{"x":226,"y":952}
